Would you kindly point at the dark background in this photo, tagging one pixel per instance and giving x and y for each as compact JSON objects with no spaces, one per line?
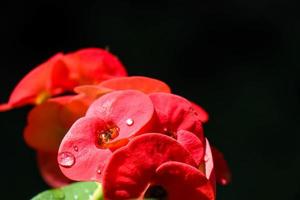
{"x":238,"y":59}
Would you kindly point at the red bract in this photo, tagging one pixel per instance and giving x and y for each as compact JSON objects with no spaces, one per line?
{"x":181,"y":181}
{"x":143,"y":84}
{"x":36,"y":86}
{"x":109,"y":122}
{"x":62,"y":73}
{"x":192,"y":144}
{"x":223,"y":174}
{"x":129,"y":110}
{"x":134,"y":170}
{"x":174,"y":113}
{"x":49,"y":122}
{"x":47,"y":163}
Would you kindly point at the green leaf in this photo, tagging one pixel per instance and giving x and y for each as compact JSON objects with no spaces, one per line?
{"x":75,"y":191}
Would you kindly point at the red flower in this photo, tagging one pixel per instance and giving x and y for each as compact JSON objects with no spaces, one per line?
{"x":109,"y":122}
{"x":141,"y":167}
{"x":62,"y":73}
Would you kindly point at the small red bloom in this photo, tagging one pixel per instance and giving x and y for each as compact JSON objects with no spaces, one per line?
{"x":62,"y":73}
{"x":136,"y":169}
{"x":109,"y":122}
{"x":174,"y":113}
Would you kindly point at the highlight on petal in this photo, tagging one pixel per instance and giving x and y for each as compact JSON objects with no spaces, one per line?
{"x":181,"y":181}
{"x":34,"y":85}
{"x":209,"y":166}
{"x":49,"y":122}
{"x":129,"y":110}
{"x":48,"y":166}
{"x":192,"y":144}
{"x":203,"y":115}
{"x":93,"y":65}
{"x":175,"y":113}
{"x":80,"y":157}
{"x":131,"y":168}
{"x":223,"y":174}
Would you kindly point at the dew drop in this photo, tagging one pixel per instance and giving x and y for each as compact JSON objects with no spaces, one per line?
{"x":66,"y":159}
{"x":75,"y":148}
{"x":129,"y":122}
{"x":99,"y":171}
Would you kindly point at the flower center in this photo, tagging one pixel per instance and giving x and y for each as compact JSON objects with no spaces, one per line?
{"x":104,"y":137}
{"x":156,"y":192}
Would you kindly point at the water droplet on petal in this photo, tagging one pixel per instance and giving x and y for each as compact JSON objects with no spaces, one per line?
{"x":66,"y":159}
{"x":75,"y":148}
{"x":99,"y":171}
{"x":129,"y":122}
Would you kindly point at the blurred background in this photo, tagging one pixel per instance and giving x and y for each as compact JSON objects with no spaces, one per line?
{"x":238,"y":59}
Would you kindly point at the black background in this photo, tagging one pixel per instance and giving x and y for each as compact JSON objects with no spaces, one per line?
{"x":238,"y":59}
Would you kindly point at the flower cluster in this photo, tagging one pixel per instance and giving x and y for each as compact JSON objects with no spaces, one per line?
{"x":129,"y":133}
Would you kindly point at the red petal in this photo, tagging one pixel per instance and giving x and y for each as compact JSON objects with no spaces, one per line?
{"x":223,"y":174}
{"x":48,"y":166}
{"x":35,"y":86}
{"x":204,"y":117}
{"x":92,"y":91}
{"x":141,"y":83}
{"x":192,"y":144}
{"x":85,"y":159}
{"x":182,"y":181}
{"x":176,"y":113}
{"x":131,"y":168}
{"x":93,"y":65}
{"x":121,"y":107}
{"x":50,"y":121}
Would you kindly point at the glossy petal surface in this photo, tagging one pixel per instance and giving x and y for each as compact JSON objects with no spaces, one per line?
{"x":120,"y":107}
{"x":84,"y":160}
